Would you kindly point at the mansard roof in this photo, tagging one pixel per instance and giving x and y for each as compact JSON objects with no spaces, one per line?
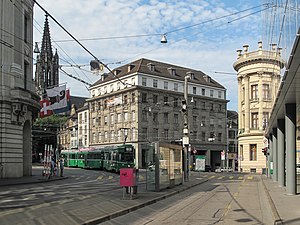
{"x":159,"y":69}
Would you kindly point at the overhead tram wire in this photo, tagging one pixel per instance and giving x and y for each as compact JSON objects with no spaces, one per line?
{"x":78,"y":42}
{"x":226,"y":23}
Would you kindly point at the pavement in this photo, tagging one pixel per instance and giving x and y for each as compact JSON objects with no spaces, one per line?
{"x":285,"y":208}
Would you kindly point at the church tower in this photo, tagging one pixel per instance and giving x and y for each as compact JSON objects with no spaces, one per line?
{"x":258,"y":75}
{"x":47,"y":65}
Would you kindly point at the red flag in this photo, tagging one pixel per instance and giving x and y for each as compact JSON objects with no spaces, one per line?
{"x":45,"y":111}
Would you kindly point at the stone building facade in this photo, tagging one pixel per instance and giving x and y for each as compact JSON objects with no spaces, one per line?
{"x":19,"y":104}
{"x":141,"y":103}
{"x":258,"y":74}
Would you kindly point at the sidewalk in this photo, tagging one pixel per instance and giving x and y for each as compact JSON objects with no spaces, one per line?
{"x":36,"y":177}
{"x":285,"y":208}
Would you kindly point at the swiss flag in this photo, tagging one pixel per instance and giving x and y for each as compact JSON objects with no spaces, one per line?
{"x":44,"y":110}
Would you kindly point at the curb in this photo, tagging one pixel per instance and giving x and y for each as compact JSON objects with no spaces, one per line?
{"x":133,"y":208}
{"x":277,"y":219}
{"x":33,"y":181}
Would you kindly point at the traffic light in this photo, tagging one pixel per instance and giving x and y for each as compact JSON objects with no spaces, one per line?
{"x":265,"y":151}
{"x":184,"y":106}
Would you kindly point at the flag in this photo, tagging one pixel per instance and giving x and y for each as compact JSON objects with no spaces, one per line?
{"x":57,"y":97}
{"x":68,"y":107}
{"x":45,"y":110}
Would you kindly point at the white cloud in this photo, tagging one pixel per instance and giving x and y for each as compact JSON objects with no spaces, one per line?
{"x":207,"y":47}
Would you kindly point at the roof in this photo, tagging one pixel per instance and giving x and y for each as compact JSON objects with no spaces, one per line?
{"x":289,"y":90}
{"x":160,"y":69}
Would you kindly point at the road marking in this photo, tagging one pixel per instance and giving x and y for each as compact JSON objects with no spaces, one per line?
{"x":100,"y":178}
{"x":211,"y":177}
{"x":110,"y":177}
{"x":240,"y":178}
{"x":219,"y":178}
{"x":250,"y":178}
{"x":231,"y":177}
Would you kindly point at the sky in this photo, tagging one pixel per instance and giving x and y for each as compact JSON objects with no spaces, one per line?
{"x":202,"y":35}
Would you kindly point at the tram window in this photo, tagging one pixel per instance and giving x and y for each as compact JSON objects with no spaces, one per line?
{"x":127,"y":157}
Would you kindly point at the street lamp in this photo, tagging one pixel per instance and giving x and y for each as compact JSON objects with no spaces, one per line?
{"x":185,"y":138}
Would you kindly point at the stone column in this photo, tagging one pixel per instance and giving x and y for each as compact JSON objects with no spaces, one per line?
{"x":290,"y":128}
{"x":281,"y":152}
{"x":275,"y":178}
{"x":247,"y":105}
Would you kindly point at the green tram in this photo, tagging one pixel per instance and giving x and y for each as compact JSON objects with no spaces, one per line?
{"x":108,"y":158}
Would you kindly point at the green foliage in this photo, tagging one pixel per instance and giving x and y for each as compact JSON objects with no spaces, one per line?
{"x":53,"y":120}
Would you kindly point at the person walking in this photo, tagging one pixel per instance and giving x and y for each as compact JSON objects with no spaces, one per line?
{"x":52,"y":165}
{"x":61,"y":166}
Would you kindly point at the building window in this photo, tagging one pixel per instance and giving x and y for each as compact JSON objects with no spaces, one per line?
{"x":175,"y":102}
{"x":133,"y":98}
{"x":219,"y":94}
{"x":265,"y":120}
{"x":155,"y":83}
{"x":125,"y":116}
{"x":155,"y":117}
{"x":254,"y":120}
{"x":144,"y":98}
{"x":195,"y":120}
{"x":253,"y":152}
{"x":243,"y":94}
{"x":105,"y":104}
{"x":125,"y":99}
{"x":211,"y":93}
{"x":155,"y":99}
{"x":194,"y":90}
{"x":266,"y":91}
{"x":133,"y":115}
{"x":175,"y":87}
{"x":94,"y":137}
{"x":119,"y":135}
{"x":133,"y":81}
{"x":202,"y":105}
{"x":111,"y":88}
{"x":166,"y":135}
{"x":203,"y":136}
{"x":144,"y":115}
{"x":26,"y":73}
{"x":166,"y":117}
{"x":119,"y":118}
{"x":112,"y":136}
{"x":241,"y":152}
{"x":105,"y":120}
{"x":219,"y":136}
{"x":165,"y":85}
{"x":26,"y":28}
{"x":254,"y":92}
{"x":155,"y":133}
{"x":203,"y":91}
{"x":166,"y":100}
{"x":176,"y":118}
{"x":105,"y":136}
{"x":144,"y":81}
{"x":99,"y":137}
{"x":144,"y":133}
{"x":112,"y":121}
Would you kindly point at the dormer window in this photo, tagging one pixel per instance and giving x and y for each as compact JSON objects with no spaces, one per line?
{"x":116,"y":72}
{"x":191,"y":75}
{"x":151,"y":67}
{"x":130,"y":67}
{"x":172,"y":71}
{"x":207,"y":78}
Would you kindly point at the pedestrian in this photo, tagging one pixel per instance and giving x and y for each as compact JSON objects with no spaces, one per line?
{"x":52,"y":167}
{"x":61,"y":166}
